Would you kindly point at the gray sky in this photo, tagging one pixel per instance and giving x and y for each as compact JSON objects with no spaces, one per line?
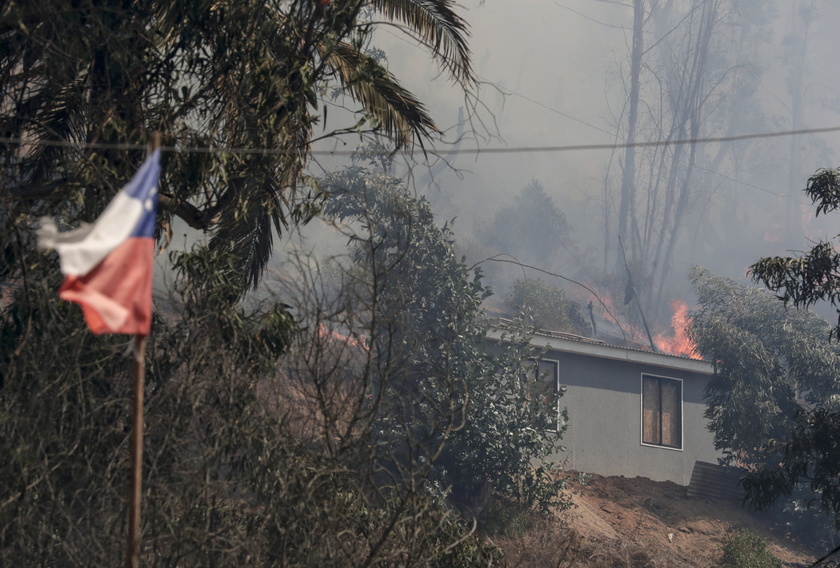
{"x":558,"y":64}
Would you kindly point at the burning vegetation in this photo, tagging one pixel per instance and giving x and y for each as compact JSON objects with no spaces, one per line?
{"x":679,"y":343}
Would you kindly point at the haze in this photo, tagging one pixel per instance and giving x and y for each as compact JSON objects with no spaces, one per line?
{"x":557,"y":74}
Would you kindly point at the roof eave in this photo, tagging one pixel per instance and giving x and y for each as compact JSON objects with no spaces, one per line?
{"x":617,"y":353}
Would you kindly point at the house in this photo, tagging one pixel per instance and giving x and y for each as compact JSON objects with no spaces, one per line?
{"x":630,"y":412}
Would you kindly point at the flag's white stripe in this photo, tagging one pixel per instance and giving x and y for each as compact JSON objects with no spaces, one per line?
{"x":81,"y":250}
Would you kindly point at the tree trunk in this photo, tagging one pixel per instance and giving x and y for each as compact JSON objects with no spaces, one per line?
{"x":628,"y":173}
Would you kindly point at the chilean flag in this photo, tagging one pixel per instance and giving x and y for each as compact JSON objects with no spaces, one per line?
{"x":108,"y":264}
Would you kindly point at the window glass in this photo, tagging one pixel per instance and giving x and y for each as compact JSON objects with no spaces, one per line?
{"x":661,"y":411}
{"x":651,"y":411}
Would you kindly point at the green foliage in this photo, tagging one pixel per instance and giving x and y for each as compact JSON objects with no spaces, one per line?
{"x":472,"y":416}
{"x":507,"y":429}
{"x":507,"y":518}
{"x":802,"y":281}
{"x":239,"y":470}
{"x":258,"y":415}
{"x":63,"y":458}
{"x":744,"y":548}
{"x":771,"y":402}
{"x":808,"y":456}
{"x":772,"y":365}
{"x":805,"y":483}
{"x":824,"y":190}
{"x":85,"y":83}
{"x":548,"y":306}
{"x":812,"y":277}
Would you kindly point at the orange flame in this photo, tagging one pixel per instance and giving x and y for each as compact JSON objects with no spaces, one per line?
{"x":606,"y":306}
{"x":331,"y":335}
{"x":679,"y":343}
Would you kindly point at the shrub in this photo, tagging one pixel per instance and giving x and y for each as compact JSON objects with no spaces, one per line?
{"x":743,"y":548}
{"x":549,"y":306}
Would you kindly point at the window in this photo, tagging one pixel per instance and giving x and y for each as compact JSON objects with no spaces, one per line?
{"x":547,"y":385}
{"x":661,"y":411}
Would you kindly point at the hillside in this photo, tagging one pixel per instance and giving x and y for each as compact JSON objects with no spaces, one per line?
{"x":637,"y":523}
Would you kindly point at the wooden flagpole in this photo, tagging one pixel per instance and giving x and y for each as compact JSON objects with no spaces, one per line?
{"x":132,"y":556}
{"x":133,"y":552}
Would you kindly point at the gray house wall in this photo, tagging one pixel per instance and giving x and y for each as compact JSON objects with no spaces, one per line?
{"x":604,"y":402}
{"x":604,"y":435}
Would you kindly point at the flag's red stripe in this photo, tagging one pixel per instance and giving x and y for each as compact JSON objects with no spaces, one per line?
{"x":116,"y":296}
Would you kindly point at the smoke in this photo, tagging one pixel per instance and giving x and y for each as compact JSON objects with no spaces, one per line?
{"x":556,"y":73}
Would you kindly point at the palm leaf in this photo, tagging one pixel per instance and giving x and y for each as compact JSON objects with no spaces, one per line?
{"x":439,"y":28}
{"x":397,"y":111}
{"x":244,"y":232}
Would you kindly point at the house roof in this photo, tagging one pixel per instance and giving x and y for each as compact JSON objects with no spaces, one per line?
{"x":576,"y":344}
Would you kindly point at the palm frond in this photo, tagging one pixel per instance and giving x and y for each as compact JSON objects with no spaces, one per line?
{"x":244,"y":231}
{"x":437,"y":25}
{"x":398,"y":112}
{"x":262,"y":199}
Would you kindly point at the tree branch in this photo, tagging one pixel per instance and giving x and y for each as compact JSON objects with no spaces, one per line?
{"x":192,"y":215}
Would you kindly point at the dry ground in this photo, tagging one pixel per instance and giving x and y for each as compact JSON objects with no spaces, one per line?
{"x":637,"y":523}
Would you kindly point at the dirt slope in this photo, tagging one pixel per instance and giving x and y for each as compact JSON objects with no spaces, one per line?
{"x":638,"y":523}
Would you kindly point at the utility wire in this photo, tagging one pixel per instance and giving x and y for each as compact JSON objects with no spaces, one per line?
{"x":513,"y":150}
{"x":582,"y":15}
{"x":495,"y":258}
{"x":727,"y":177}
{"x":509,"y":92}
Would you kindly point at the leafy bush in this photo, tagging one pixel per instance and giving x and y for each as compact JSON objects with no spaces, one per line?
{"x":743,"y":548}
{"x":294,"y":435}
{"x":472,"y":415}
{"x":507,"y":518}
{"x":772,"y":401}
{"x":548,"y":306}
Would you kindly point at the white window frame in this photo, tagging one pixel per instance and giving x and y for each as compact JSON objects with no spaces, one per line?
{"x":642,"y":412}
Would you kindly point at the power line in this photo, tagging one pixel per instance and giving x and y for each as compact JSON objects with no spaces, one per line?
{"x":507,"y":91}
{"x":727,"y":177}
{"x":651,"y":144}
{"x":581,"y":14}
{"x":511,"y":150}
